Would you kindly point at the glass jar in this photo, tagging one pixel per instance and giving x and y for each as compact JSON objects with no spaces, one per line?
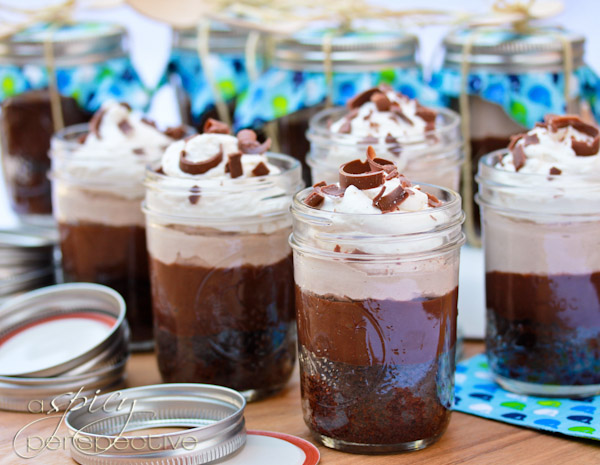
{"x":297,"y":84}
{"x":91,"y":63}
{"x":222,"y":278}
{"x":542,"y":261}
{"x":513,"y":80}
{"x":97,"y":205}
{"x":434,"y":157}
{"x":377,"y":324}
{"x":195,"y":95}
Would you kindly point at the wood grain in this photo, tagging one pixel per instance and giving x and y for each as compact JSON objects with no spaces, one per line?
{"x":469,"y":440}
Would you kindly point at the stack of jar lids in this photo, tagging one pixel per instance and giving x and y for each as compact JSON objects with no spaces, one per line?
{"x":26,"y":261}
{"x":59,"y":344}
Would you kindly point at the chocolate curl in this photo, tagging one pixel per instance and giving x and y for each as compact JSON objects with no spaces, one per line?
{"x":358,"y":173}
{"x":358,"y":100}
{"x":195,"y":190}
{"x":580,"y":147}
{"x":247,"y":142}
{"x":234,"y":165}
{"x":95,"y":122}
{"x":530,"y":139}
{"x":320,"y":184}
{"x":389,"y":203}
{"x":555,"y":171}
{"x":125,"y":127}
{"x":260,"y":170}
{"x":148,"y":121}
{"x":395,"y":146}
{"x":175,"y":132}
{"x":199,"y":167}
{"x":332,"y":190}
{"x":314,"y":199}
{"x":381,"y":101}
{"x":433,"y":201}
{"x":213,"y":126}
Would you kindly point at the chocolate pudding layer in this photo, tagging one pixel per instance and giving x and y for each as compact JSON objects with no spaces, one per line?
{"x":228,"y":326}
{"x":26,"y":129}
{"x":544,"y":329}
{"x":118,"y":259}
{"x":388,"y":363}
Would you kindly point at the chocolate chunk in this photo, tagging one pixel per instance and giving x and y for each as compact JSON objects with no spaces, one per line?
{"x":195,"y":190}
{"x":320,"y":184}
{"x":260,"y":170}
{"x":358,"y":100}
{"x":234,"y":165}
{"x":514,"y":139}
{"x":337,"y":248}
{"x":199,"y":167}
{"x":381,"y":101}
{"x":125,"y":127}
{"x":175,"y":132}
{"x":389,"y":203}
{"x":433,"y":201}
{"x":398,"y":112}
{"x":332,"y":190}
{"x":555,"y":171}
{"x":95,"y":122}
{"x":580,"y":147}
{"x":139,"y":151}
{"x":428,"y":115}
{"x":518,"y":157}
{"x":159,"y":170}
{"x":314,"y":199}
{"x":377,"y":198}
{"x":584,"y":148}
{"x":213,"y":126}
{"x":247,"y":142}
{"x":358,"y":173}
{"x":531,"y":139}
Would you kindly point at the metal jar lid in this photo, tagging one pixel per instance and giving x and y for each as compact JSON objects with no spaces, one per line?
{"x":73,"y":44}
{"x":223,"y":39}
{"x":212,"y":418}
{"x":350,"y":52}
{"x":504,"y":50}
{"x":21,"y":247}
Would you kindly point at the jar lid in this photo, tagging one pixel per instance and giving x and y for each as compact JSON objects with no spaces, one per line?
{"x":211,"y":419}
{"x":58,"y":330}
{"x":508,"y":51}
{"x":358,"y":51}
{"x":73,"y":44}
{"x":223,"y":38}
{"x":21,"y":246}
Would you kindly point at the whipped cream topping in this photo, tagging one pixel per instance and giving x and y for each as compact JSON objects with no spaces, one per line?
{"x":562,"y":145}
{"x":380,"y":115}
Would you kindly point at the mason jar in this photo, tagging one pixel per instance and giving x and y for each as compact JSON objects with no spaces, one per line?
{"x":376,"y":305}
{"x":222,"y":278}
{"x":90,"y":62}
{"x":434,"y":157}
{"x":97,"y":205}
{"x":542,"y":263}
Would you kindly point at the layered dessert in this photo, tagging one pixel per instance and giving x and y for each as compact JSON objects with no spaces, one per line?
{"x":423,"y":142}
{"x":98,"y":173}
{"x":540,"y":222}
{"x":26,"y":128}
{"x":376,"y":300}
{"x":221,"y":268}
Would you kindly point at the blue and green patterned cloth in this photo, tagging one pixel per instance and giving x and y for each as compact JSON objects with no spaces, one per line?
{"x":89,"y":83}
{"x":280,"y":92}
{"x":476,"y":393}
{"x":229,"y":70}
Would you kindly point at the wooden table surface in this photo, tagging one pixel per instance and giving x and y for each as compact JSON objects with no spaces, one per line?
{"x":468,"y":440}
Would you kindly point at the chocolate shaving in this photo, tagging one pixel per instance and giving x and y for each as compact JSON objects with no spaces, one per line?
{"x":377,"y":198}
{"x":332,"y":190}
{"x":95,"y":122}
{"x":337,"y":248}
{"x":358,"y":173}
{"x":369,"y":140}
{"x":555,"y":171}
{"x":175,"y":132}
{"x":213,"y":126}
{"x":139,"y":151}
{"x":260,"y":170}
{"x":320,"y":184}
{"x":346,"y":127}
{"x":199,"y":167}
{"x":234,"y":165}
{"x":195,"y":190}
{"x":428,"y":115}
{"x":125,"y":127}
{"x":513,"y":141}
{"x":389,"y":203}
{"x":358,"y":100}
{"x":381,"y":101}
{"x":247,"y":142}
{"x":125,"y":105}
{"x":398,"y":112}
{"x":518,"y":157}
{"x":314,"y":199}
{"x":433,"y":201}
{"x":159,"y":170}
{"x":580,"y":147}
{"x":148,"y":121}
{"x":531,"y":139}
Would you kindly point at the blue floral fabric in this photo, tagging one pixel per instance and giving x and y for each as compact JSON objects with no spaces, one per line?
{"x":229,"y":71}
{"x":526,"y":98}
{"x":281,"y":92}
{"x":476,"y":393}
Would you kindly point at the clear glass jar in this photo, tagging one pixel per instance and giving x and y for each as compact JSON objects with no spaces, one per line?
{"x":222,"y":278}
{"x":91,"y":63}
{"x":376,"y":310}
{"x":433,"y":158}
{"x":97,"y":205}
{"x":542,"y":261}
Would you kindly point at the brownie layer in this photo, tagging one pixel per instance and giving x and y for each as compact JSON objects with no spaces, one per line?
{"x":228,"y":326}
{"x":377,"y":371}
{"x":544,"y":328}
{"x":115,"y":256}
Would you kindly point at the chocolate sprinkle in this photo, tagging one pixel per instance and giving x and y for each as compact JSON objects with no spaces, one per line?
{"x":247,"y":142}
{"x":125,"y":127}
{"x":314,"y":199}
{"x":213,"y":126}
{"x":555,"y":171}
{"x":358,"y":173}
{"x":195,"y":190}
{"x":234,"y":165}
{"x":260,"y":170}
{"x":389,"y":203}
{"x":199,"y":167}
